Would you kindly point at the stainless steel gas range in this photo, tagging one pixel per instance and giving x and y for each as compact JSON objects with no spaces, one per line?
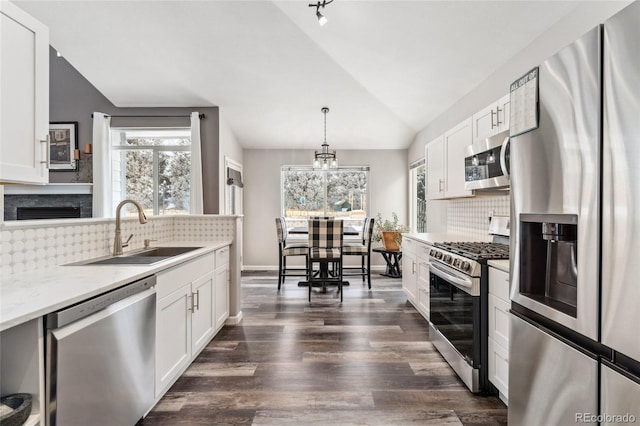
{"x":458,"y":302}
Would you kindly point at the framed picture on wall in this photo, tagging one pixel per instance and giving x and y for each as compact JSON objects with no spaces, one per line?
{"x":63,"y":137}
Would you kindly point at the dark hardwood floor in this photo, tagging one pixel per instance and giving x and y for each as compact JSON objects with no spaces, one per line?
{"x":367,"y":361}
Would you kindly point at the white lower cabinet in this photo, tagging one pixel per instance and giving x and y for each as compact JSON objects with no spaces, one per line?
{"x":415,"y":274}
{"x":409,"y":270}
{"x":499,"y":368}
{"x":192,"y":305}
{"x":221,"y":297}
{"x":422,"y":257}
{"x":203,"y":315}
{"x":173,"y":336}
{"x":499,"y":305}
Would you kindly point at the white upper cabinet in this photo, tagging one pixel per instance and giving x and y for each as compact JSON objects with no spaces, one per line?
{"x":456,"y":141}
{"x":492,"y":119}
{"x":445,"y":163}
{"x":435,"y":156}
{"x":24,"y":97}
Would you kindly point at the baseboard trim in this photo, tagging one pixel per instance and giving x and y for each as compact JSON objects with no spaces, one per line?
{"x":234,"y":320}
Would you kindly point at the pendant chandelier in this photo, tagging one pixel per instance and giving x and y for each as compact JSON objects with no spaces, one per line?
{"x":324,"y":158}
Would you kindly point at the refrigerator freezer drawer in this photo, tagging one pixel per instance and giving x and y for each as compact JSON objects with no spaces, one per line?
{"x":619,"y":398}
{"x":549,"y":381}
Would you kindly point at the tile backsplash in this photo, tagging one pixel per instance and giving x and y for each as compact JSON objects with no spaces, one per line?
{"x":41,"y":244}
{"x":470,"y":216}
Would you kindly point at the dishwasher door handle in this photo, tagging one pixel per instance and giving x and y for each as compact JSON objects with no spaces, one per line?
{"x":62,"y":332}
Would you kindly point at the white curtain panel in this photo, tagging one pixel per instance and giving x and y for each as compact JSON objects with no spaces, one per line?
{"x":196,"y":201}
{"x":101,"y":165}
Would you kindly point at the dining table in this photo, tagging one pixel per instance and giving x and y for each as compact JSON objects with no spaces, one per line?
{"x":304,"y":230}
{"x":324,"y":266}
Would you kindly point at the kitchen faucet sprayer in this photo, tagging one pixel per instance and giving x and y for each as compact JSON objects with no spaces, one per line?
{"x":117,"y":241}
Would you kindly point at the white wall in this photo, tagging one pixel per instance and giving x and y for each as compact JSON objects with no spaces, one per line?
{"x":586,"y":16}
{"x":230,"y":148}
{"x":388,"y":180}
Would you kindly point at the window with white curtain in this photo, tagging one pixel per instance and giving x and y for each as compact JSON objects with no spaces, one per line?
{"x":153,"y":167}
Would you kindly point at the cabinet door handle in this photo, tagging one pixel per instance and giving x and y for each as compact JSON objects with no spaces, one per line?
{"x":492,"y":114}
{"x":498,"y":122}
{"x":197,"y":296}
{"x":47,"y":150}
{"x":440,"y":185}
{"x":191,"y":308}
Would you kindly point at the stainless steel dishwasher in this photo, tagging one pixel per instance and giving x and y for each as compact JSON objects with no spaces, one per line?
{"x":100,"y":357}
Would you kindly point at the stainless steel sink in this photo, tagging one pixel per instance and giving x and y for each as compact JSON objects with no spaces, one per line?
{"x":141,"y":257}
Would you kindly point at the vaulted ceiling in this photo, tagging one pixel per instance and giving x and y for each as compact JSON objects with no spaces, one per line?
{"x":384,"y":68}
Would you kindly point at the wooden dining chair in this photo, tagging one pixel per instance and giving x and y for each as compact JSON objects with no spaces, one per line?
{"x":285,"y":250}
{"x":325,"y":245}
{"x":362,"y":249}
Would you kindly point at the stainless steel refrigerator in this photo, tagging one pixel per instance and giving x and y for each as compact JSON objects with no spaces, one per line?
{"x":574,"y":351}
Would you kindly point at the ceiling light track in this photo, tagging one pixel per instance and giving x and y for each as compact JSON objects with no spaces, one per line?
{"x":321,"y":4}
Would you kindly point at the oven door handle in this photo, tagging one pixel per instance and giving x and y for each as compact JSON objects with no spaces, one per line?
{"x":463,"y":284}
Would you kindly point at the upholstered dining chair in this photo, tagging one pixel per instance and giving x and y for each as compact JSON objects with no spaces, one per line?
{"x":325,"y":245}
{"x":285,"y":250}
{"x":362,"y":249}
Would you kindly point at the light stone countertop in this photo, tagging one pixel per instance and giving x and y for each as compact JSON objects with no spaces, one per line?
{"x":29,"y":295}
{"x":432,"y":238}
{"x":502,"y":265}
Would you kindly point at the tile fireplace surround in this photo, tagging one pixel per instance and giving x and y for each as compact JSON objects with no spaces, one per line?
{"x":38,"y":244}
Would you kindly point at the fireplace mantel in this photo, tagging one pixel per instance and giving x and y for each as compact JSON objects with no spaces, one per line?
{"x":51,"y":188}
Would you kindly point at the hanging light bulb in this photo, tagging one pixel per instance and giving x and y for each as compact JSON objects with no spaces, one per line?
{"x":475,"y":160}
{"x":321,"y":18}
{"x":491,"y":158}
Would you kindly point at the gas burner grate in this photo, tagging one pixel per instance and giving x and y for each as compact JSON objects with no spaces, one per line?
{"x":476,"y":250}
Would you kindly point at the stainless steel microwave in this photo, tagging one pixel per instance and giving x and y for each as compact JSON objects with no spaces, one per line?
{"x":487,"y":163}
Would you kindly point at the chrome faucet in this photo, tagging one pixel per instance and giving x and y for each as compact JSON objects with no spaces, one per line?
{"x":117,"y":241}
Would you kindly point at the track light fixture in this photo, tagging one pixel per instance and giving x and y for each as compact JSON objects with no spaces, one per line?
{"x":321,"y":4}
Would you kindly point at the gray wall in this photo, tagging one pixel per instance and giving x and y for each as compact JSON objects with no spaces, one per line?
{"x":388,"y":192}
{"x":74,"y":98}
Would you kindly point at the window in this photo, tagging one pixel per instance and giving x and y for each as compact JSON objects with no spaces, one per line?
{"x":153,"y":167}
{"x":418,"y":203}
{"x":341,"y":193}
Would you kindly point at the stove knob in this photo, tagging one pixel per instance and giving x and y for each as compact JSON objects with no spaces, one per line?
{"x":447,"y":258}
{"x":438,"y":255}
{"x":432,"y":252}
{"x":465,"y":266}
{"x":456,"y":263}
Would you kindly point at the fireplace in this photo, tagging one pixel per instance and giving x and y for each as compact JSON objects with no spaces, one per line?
{"x":47,"y":206}
{"x":30,"y":213}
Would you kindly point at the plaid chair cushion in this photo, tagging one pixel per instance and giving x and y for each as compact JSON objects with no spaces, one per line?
{"x":295,"y":249}
{"x":324,"y":253}
{"x":354,"y":248}
{"x":325,"y":233}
